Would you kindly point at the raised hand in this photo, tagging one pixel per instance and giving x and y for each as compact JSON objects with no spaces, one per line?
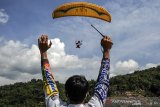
{"x":106,"y":43}
{"x":43,"y":43}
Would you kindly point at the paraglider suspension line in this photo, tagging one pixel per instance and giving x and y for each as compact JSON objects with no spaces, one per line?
{"x":97,"y":30}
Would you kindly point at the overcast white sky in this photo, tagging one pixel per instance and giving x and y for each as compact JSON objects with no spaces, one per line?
{"x":134,"y":30}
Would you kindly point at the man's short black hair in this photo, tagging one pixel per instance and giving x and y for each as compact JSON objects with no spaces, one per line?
{"x":76,"y":88}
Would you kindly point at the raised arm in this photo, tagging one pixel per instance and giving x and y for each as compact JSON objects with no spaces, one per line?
{"x":50,"y":87}
{"x":102,"y":84}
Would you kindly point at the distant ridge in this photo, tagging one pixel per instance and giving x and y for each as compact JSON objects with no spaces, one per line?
{"x":144,"y":83}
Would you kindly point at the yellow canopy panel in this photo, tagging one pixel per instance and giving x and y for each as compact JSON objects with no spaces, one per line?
{"x":82,"y":9}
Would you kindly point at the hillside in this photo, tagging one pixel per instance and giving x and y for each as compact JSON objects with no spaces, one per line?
{"x":140,"y":83}
{"x":143,"y":83}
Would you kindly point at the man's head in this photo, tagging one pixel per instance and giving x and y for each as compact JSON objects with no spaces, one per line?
{"x":76,"y":88}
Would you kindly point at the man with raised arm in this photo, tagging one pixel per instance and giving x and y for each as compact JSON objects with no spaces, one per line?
{"x":76,"y":87}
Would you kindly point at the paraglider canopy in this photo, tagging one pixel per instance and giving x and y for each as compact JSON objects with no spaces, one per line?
{"x":82,"y":9}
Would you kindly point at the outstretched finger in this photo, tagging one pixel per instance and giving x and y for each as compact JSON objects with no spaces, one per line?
{"x":39,"y":40}
{"x":46,"y":40}
{"x":50,"y":44}
{"x":42,"y":38}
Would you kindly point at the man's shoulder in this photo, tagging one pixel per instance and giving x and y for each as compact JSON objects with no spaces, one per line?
{"x":94,"y":102}
{"x":55,"y":102}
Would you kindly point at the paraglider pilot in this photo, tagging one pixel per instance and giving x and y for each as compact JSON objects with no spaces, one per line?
{"x":78,"y":44}
{"x":76,"y":87}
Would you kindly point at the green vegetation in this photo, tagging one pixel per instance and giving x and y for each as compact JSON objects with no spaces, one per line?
{"x":144,"y":83}
{"x":140,"y":83}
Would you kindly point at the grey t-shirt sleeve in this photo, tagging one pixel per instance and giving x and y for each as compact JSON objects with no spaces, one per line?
{"x":55,"y":102}
{"x":94,"y":102}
